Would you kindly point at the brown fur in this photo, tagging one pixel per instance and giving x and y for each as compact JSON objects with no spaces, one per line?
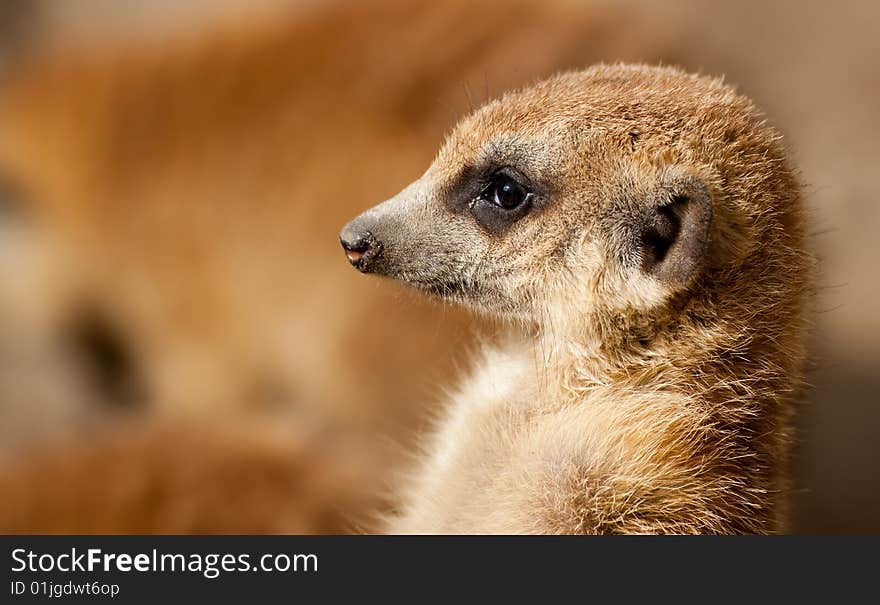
{"x":231,"y":476}
{"x":633,"y":401}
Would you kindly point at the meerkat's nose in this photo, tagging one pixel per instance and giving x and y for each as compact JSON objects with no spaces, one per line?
{"x":359,"y":246}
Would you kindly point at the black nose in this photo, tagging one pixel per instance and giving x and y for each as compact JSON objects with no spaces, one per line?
{"x":360,"y":246}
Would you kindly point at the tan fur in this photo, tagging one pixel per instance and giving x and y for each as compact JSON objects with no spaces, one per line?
{"x":624,"y":403}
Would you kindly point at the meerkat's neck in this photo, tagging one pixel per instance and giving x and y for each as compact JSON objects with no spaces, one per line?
{"x":732,"y":365}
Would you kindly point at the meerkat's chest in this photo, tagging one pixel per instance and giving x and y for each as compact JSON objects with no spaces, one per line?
{"x":471,"y":457}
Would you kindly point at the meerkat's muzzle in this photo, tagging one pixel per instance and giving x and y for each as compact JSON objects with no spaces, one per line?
{"x":398,"y":238}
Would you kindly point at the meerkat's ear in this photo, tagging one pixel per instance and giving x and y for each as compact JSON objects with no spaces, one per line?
{"x":675,"y":235}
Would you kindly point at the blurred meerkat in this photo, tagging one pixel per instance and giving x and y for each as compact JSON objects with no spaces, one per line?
{"x":166,"y":179}
{"x":642,"y":230}
{"x":162,"y":168}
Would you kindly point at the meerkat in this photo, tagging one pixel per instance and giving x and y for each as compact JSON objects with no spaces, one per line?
{"x":640,"y":230}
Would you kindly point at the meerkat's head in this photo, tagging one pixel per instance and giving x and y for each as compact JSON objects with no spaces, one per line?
{"x":610,"y":189}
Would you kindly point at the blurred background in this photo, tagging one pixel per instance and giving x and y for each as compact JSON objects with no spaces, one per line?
{"x":183,"y":347}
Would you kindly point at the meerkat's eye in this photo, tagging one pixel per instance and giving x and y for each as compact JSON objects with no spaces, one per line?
{"x":502,"y":201}
{"x":505,"y":192}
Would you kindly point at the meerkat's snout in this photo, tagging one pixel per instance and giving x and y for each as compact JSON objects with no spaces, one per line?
{"x":408,"y":237}
{"x":369,"y":238}
{"x":359,"y":244}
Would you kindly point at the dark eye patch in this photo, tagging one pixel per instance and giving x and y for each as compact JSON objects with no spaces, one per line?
{"x":100,"y":349}
{"x":12,"y":200}
{"x":496,"y":220}
{"x":502,"y":202}
{"x":495,"y":196}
